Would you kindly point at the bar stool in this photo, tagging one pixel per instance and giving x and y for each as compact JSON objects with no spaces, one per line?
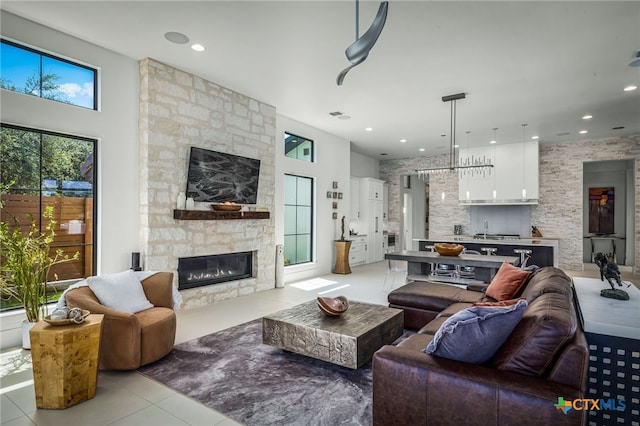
{"x":525,"y":255}
{"x":489,"y":251}
{"x":464,"y":271}
{"x":432,"y":266}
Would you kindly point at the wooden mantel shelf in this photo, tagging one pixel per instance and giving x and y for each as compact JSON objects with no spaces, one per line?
{"x":214,"y":215}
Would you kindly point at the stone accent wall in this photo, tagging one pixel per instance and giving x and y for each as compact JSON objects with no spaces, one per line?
{"x":442,"y":214}
{"x":179,"y":110}
{"x":559,"y":212}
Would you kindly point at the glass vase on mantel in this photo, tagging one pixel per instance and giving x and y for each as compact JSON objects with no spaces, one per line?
{"x":181,"y":202}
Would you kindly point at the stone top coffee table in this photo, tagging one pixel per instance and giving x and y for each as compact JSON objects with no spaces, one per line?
{"x":348,"y":340}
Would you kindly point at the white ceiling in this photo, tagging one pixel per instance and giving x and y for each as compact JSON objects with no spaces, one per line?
{"x":542,"y":63}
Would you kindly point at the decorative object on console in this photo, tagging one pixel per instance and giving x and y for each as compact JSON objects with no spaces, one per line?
{"x":226,"y":207}
{"x":333,"y":306}
{"x":507,"y":283}
{"x":181,"y":201}
{"x":342,"y":229}
{"x":135,"y":261}
{"x":67,"y":316}
{"x":611,"y":272}
{"x":446,"y":249}
{"x":475,"y":334}
{"x":358,"y":51}
{"x":190,"y":204}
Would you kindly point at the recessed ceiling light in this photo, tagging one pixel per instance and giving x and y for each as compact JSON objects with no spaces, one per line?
{"x":421,"y":150}
{"x":344,"y":117}
{"x":587,"y":117}
{"x":583,"y":132}
{"x":177,"y":38}
{"x":456,"y":146}
{"x":630,"y":88}
{"x":492,"y":142}
{"x":535,"y":137}
{"x":369,"y":129}
{"x":198,"y":47}
{"x":403,"y":140}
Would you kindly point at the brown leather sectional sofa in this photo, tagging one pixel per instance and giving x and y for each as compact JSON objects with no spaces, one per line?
{"x":544,"y":358}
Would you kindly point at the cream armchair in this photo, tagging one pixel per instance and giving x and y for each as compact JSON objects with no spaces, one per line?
{"x":131,"y":340}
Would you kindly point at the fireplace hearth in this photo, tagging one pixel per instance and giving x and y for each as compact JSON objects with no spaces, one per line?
{"x":213,"y":269}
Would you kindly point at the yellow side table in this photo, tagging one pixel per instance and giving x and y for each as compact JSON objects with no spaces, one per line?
{"x":65,"y":362}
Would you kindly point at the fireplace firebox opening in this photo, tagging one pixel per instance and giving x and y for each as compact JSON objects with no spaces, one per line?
{"x":214,"y":269}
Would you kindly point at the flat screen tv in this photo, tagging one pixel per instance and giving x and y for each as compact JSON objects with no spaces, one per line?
{"x":217,"y":177}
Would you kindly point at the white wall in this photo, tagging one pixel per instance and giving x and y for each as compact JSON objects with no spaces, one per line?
{"x":363,"y":166}
{"x":331,"y":165}
{"x":115,"y":126}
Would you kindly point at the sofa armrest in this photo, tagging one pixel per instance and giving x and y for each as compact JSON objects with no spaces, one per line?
{"x":84,"y":298}
{"x":159,"y":289}
{"x":411,"y":387}
{"x":478,"y":287}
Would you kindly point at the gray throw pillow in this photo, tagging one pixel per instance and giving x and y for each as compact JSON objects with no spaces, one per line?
{"x":475,"y":334}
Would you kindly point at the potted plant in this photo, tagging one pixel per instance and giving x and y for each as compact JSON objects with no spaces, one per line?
{"x":26,"y":263}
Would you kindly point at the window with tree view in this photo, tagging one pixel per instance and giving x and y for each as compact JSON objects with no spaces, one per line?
{"x":298,"y":147}
{"x":35,"y":73}
{"x":43,"y":169}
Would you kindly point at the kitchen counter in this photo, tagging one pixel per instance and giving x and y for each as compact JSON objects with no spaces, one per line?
{"x":460,"y":239}
{"x":505,"y":247}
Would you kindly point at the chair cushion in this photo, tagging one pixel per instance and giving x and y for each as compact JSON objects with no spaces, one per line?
{"x":122,"y":291}
{"x":507,"y":282}
{"x":475,"y":334}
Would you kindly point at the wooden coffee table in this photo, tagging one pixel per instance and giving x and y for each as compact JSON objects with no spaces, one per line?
{"x":348,"y":340}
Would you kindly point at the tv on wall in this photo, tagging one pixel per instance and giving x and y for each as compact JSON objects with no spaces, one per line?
{"x":217,"y":177}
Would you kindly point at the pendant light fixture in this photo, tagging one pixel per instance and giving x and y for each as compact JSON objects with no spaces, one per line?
{"x":494,"y":142}
{"x":524,"y":162}
{"x":468,"y":165}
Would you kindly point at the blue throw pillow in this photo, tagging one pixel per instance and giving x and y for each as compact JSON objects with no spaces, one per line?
{"x":476,"y":333}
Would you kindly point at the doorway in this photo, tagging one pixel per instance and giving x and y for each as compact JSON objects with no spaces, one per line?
{"x":414,"y":217}
{"x":608,"y":210}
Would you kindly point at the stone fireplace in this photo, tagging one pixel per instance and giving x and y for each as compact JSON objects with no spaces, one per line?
{"x":199,"y":271}
{"x":179,"y":110}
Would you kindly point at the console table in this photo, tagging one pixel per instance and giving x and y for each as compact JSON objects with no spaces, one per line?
{"x":419,"y":262}
{"x":612,"y":329}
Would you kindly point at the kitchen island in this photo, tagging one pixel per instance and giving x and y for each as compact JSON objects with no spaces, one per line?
{"x":544,"y":251}
{"x":419,"y":263}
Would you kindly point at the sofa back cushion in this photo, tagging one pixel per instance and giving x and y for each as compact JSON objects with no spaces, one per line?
{"x":549,"y":322}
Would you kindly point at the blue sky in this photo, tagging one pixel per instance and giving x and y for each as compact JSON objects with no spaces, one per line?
{"x":75,"y":84}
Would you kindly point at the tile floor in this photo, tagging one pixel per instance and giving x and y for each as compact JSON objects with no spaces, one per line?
{"x":128,"y":398}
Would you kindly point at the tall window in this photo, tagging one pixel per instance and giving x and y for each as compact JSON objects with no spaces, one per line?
{"x":298,"y":219}
{"x":36,"y":73}
{"x":51,"y":169}
{"x":298,"y":147}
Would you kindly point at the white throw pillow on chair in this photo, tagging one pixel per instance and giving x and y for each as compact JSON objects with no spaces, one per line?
{"x":122,"y":291}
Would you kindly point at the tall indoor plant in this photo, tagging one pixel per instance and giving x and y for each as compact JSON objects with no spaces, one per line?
{"x":26,"y":262}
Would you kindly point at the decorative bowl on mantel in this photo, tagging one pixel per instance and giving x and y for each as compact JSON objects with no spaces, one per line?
{"x":445,"y":249}
{"x":333,"y":306}
{"x":226,"y":207}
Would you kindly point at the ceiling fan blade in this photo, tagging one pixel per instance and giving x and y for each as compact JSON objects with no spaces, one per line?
{"x":343,"y":74}
{"x":359,"y":49}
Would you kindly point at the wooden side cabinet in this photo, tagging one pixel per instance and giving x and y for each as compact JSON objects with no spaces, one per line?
{"x":65,"y":362}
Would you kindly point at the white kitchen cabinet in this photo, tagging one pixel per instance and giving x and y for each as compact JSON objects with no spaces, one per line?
{"x":354,"y":202}
{"x":515,"y":168}
{"x":358,"y":252}
{"x":371,"y":217}
{"x":385,"y":202}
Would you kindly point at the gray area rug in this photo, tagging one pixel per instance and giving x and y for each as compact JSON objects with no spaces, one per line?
{"x":232,"y":372}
